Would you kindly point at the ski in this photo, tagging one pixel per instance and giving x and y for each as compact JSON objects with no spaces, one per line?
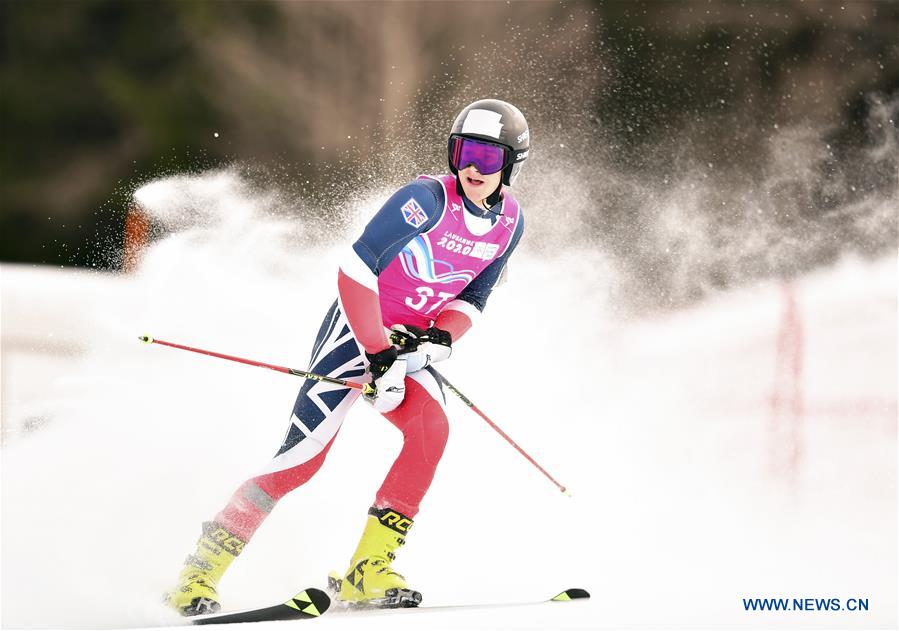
{"x":309,"y":603}
{"x":575,"y":593}
{"x":571,"y":594}
{"x":341,"y":608}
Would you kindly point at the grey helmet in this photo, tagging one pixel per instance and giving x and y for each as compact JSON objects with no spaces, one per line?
{"x":497,"y":122}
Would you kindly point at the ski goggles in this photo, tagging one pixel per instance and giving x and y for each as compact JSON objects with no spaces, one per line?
{"x":485,"y":156}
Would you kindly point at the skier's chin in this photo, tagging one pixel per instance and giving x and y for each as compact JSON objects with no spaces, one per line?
{"x":475,"y":190}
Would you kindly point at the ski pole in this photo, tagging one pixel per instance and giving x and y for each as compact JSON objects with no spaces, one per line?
{"x":509,"y":440}
{"x":365,"y":387}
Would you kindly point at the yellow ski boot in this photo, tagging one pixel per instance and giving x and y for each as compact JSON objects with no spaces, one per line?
{"x":370,"y":580}
{"x":196,"y":593}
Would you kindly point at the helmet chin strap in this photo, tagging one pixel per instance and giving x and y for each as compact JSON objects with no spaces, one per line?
{"x":492,"y":199}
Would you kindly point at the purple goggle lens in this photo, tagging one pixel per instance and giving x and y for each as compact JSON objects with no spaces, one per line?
{"x":486,"y":157}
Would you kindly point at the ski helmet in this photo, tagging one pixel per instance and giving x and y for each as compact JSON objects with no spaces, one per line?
{"x":494,"y":122}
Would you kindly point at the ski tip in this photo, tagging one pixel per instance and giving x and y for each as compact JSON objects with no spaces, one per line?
{"x":566,"y":491}
{"x":145,"y":338}
{"x":572,"y":594}
{"x":313,"y":602}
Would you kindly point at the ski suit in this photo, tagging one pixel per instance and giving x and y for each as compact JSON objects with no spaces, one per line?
{"x":428,"y":257}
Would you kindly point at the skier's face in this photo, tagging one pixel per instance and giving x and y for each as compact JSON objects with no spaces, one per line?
{"x":477,"y":186}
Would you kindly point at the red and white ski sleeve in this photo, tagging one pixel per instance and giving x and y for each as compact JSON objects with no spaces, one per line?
{"x":457,"y":317}
{"x":357,"y":287}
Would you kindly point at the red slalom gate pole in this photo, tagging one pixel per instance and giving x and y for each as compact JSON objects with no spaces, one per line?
{"x":787,"y":402}
{"x":499,"y":431}
{"x":366,"y":388}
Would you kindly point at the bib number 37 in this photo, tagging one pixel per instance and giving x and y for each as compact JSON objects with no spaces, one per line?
{"x":425,"y":295}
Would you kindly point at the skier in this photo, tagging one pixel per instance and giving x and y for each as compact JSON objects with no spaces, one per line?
{"x":415,"y":281}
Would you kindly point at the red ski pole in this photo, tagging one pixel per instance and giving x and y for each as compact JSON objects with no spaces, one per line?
{"x":365,"y":387}
{"x":509,"y":440}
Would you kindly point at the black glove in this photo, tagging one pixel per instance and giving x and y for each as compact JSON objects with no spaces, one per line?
{"x":439,"y":336}
{"x":388,"y":373}
{"x":379,"y":363}
{"x":409,"y":337}
{"x":421,"y":347}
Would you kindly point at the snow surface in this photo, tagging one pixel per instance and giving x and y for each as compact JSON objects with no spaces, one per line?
{"x":114,"y":452}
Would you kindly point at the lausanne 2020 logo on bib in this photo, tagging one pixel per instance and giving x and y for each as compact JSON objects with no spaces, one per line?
{"x":413,"y":213}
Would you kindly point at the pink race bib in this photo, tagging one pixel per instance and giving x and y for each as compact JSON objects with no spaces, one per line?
{"x":435,"y":266}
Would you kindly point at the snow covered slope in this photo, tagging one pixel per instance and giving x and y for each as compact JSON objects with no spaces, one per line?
{"x":736,"y":449}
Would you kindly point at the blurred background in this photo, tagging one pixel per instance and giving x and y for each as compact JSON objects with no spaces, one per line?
{"x":711,"y":210}
{"x":776,"y":119}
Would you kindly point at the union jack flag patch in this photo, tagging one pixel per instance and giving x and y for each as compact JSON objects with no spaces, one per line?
{"x":413,"y":213}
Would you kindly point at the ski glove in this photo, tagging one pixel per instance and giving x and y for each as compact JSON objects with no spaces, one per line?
{"x":388,"y":372}
{"x":421,"y":347}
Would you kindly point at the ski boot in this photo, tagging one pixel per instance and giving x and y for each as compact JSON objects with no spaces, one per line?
{"x":370,"y":580}
{"x":196,"y":592}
